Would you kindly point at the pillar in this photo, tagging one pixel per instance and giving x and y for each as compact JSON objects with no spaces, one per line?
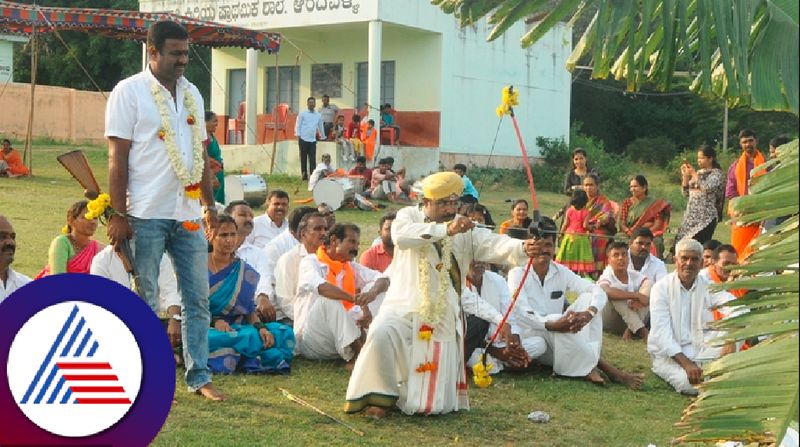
{"x":374,"y":70}
{"x":251,"y":91}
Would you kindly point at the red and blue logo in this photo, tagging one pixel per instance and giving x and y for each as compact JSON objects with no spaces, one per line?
{"x":87,"y":361}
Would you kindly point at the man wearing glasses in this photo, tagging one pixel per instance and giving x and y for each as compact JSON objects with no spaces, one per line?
{"x":739,"y":185}
{"x":413,"y":356}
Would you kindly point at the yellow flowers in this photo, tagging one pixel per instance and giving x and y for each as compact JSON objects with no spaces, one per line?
{"x":480,"y":373}
{"x":193,"y":191}
{"x":425,"y":332}
{"x":65,"y":229}
{"x":97,"y":207}
{"x":509,"y":99}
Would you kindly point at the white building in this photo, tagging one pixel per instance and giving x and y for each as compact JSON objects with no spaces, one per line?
{"x":444,"y":81}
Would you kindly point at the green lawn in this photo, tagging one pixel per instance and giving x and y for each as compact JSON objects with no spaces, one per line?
{"x":258,"y":414}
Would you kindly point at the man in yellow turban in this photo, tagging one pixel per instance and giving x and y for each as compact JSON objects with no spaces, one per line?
{"x":412,"y":357}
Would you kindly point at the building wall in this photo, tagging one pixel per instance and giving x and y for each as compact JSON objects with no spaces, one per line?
{"x":59,"y":113}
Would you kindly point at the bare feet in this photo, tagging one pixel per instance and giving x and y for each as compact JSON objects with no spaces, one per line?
{"x":210,"y":392}
{"x":643,"y":333}
{"x":627,"y":335}
{"x":632,"y":381}
{"x":374,"y":412}
{"x":595,"y":377}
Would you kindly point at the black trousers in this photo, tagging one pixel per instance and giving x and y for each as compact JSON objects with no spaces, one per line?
{"x":475,"y":336}
{"x":308,"y":157}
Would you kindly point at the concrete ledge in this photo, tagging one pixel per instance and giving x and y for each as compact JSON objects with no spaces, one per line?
{"x":448,"y":159}
{"x":418,"y":161}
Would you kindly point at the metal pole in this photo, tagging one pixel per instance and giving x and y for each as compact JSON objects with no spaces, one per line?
{"x":275,"y":116}
{"x":725,"y":129}
{"x":27,"y":154}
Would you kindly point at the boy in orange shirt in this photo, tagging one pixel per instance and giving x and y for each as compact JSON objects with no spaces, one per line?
{"x":369,"y":137}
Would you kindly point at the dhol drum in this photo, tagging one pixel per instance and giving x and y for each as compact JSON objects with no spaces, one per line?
{"x":333,"y":191}
{"x":251,"y":188}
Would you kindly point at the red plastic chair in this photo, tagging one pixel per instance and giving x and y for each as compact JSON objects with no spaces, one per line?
{"x":390,"y":134}
{"x":277,"y":120}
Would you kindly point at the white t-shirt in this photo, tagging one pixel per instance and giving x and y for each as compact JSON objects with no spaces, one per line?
{"x":15,"y":281}
{"x":154,"y":191}
{"x":322,"y":168}
{"x":608,"y":278}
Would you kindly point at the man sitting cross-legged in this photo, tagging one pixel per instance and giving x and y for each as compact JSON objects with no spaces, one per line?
{"x":312,"y":230}
{"x":628,"y":291}
{"x":569,"y":340}
{"x":273,"y":251}
{"x":484,"y":300}
{"x":332,"y":307}
{"x":680,"y":309}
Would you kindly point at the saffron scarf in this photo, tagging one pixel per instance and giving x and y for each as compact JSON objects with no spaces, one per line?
{"x":741,"y":236}
{"x":741,"y":171}
{"x":336,"y":267}
{"x":712,"y":273}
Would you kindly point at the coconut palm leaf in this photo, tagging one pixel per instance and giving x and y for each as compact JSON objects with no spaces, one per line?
{"x":743,"y":50}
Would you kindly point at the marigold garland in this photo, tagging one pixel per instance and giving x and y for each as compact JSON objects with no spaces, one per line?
{"x":425,"y":332}
{"x":509,"y":99}
{"x":188,"y":225}
{"x":167,"y":134}
{"x":97,"y":208}
{"x":193,"y":191}
{"x":432,"y":309}
{"x":426,"y":367}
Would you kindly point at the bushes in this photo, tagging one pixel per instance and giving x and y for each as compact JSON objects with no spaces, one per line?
{"x":673,"y":167}
{"x":614,"y":169}
{"x":653,"y":150}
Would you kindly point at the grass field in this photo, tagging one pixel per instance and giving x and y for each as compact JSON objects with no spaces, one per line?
{"x":258,"y":414}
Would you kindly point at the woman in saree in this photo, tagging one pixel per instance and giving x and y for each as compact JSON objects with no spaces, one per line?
{"x":519,"y":216}
{"x":215,"y":158}
{"x":642,"y":211}
{"x":73,"y":251}
{"x":238,"y":340}
{"x":602,"y":224}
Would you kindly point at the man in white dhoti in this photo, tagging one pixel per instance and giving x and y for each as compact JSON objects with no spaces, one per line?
{"x":680,"y":309}
{"x":413,"y":356}
{"x":628,"y":291}
{"x":568,"y":338}
{"x":312,"y":230}
{"x":332,"y":306}
{"x":485,"y":299}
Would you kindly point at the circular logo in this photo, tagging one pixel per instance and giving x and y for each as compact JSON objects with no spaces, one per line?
{"x":86,"y":360}
{"x":89,"y":375}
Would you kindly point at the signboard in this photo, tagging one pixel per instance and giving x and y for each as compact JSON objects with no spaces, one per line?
{"x":268,"y":14}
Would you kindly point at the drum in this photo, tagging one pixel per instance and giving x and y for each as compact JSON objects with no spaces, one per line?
{"x":358,"y":183}
{"x":333,"y":192}
{"x":251,"y":188}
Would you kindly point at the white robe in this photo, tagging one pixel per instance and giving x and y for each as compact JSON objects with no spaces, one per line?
{"x":385,"y":372}
{"x":679,"y":324}
{"x":572,"y":355}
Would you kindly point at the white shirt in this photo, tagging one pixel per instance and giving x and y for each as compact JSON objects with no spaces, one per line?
{"x":328,"y":113}
{"x":287,"y":269}
{"x":273,"y":251}
{"x":264,"y":230}
{"x":653,"y":268}
{"x":539,"y":302}
{"x":635,"y":280}
{"x":107,"y":264}
{"x":307,"y":125}
{"x":15,"y":281}
{"x":255,"y":256}
{"x":154,"y":191}
{"x":317,"y":174}
{"x":492,"y":301}
{"x":311,"y":274}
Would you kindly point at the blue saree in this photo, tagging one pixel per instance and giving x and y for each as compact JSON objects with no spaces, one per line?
{"x":232,"y":292}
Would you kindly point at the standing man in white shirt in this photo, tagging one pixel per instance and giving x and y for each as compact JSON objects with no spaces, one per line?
{"x":158,"y":169}
{"x":312,"y":230}
{"x":569,"y":338}
{"x":328,"y":112}
{"x":242,"y":214}
{"x":307,"y":127}
{"x":9,"y":279}
{"x":273,"y":222}
{"x":641,"y":260}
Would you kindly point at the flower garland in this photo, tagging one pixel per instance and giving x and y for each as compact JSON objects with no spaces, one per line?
{"x":509,"y":99}
{"x":96,"y":208}
{"x":432,"y":309}
{"x":190,"y":180}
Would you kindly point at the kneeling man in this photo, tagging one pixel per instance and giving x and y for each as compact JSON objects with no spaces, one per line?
{"x":327,"y":323}
{"x":680,"y":309}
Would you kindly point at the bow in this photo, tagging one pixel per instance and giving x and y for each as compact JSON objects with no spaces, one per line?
{"x":510,"y":98}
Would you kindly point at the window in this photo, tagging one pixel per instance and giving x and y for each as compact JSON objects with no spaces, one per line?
{"x":288,"y":88}
{"x":387,"y":83}
{"x":326,"y":79}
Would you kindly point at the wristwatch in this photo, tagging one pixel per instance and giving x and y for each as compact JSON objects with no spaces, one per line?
{"x":591,"y":311}
{"x":176,"y":317}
